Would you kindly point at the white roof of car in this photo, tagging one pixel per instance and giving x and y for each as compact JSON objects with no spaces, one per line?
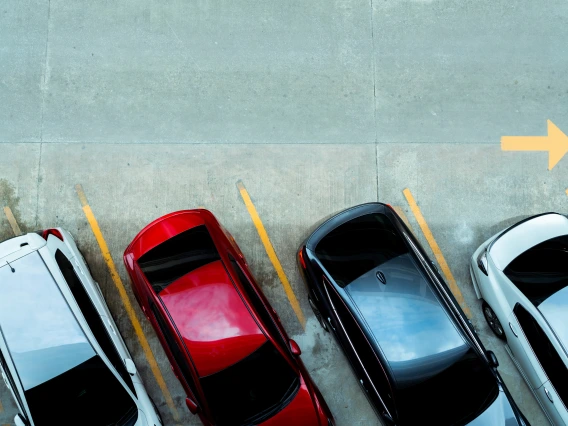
{"x":41,"y":332}
{"x":518,"y":239}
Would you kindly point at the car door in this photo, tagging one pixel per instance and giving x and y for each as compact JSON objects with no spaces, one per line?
{"x":178,"y":361}
{"x":523,"y":354}
{"x":99,"y":324}
{"x":261,"y":306}
{"x":552,"y":393}
{"x":370,"y":373}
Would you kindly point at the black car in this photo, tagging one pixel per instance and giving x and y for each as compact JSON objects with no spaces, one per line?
{"x":412,"y":348}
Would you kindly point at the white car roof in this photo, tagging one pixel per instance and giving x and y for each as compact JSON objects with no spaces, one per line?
{"x":554,"y":310}
{"x":525,"y":235}
{"x":41,"y":332}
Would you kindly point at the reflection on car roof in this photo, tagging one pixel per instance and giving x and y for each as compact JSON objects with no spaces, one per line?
{"x":42,"y":334}
{"x":414,"y":332}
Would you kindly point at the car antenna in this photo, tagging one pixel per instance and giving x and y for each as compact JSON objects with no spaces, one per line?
{"x":12,"y":269}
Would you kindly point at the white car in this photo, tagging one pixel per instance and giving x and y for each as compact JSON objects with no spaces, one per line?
{"x":521,"y":275}
{"x":61,"y":354}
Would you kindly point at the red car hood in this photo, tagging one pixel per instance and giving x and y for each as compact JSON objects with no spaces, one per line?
{"x":299,"y":412}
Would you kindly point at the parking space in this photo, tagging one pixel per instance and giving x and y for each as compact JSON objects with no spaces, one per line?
{"x":467,"y":193}
{"x":156,"y":106}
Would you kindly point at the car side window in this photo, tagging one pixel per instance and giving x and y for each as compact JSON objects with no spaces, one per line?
{"x":547,"y":355}
{"x":365,"y":352}
{"x":93,"y":318}
{"x":177,"y":352}
{"x":257,"y":303}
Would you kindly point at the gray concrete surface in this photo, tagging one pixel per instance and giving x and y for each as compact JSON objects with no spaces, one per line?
{"x":158,"y":105}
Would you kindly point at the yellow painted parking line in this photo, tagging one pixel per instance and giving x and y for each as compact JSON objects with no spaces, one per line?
{"x":126,"y":301}
{"x":272,"y":254}
{"x":12,"y":220}
{"x":567,"y":192}
{"x":403,"y":216}
{"x":436,"y":250}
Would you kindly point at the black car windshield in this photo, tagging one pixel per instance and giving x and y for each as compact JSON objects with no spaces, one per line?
{"x":358,"y":246}
{"x":88,"y":394}
{"x":454,"y":396}
{"x":251,"y":390}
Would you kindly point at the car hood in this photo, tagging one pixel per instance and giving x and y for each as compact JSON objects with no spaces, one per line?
{"x":299,"y":412}
{"x":500,"y":413}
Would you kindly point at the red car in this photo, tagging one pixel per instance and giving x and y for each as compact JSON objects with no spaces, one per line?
{"x":225,"y":343}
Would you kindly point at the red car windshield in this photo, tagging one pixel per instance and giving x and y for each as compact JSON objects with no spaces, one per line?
{"x":252,"y":390}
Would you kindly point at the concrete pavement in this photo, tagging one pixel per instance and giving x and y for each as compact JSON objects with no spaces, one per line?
{"x":155,"y":106}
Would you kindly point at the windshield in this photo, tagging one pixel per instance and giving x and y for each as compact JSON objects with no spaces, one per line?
{"x":358,"y":246}
{"x":454,"y":396}
{"x":251,"y":390}
{"x":88,"y":394}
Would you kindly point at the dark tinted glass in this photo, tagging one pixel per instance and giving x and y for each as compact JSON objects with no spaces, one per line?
{"x":258,"y":305}
{"x":453,"y":396}
{"x":542,"y":270}
{"x":177,"y":352}
{"x":178,"y":256}
{"x":88,"y":394}
{"x":251,"y":390}
{"x":547,"y":356}
{"x":358,"y":246}
{"x":92,"y":317}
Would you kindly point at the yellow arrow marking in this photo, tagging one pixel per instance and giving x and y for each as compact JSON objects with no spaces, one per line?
{"x":556,"y":143}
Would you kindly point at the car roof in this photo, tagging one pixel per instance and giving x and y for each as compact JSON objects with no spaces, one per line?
{"x":212,"y":318}
{"x":554,"y":309}
{"x":406,"y":320}
{"x":37,"y":323}
{"x":526,"y":234}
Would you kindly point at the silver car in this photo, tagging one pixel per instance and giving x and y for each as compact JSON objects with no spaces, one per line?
{"x":61,"y":354}
{"x":521,"y":275}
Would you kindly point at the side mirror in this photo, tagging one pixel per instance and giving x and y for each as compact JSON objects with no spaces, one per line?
{"x":294,"y":348}
{"x":493,"y":361}
{"x":192,"y":406}
{"x":130,"y":366}
{"x":18,"y":421}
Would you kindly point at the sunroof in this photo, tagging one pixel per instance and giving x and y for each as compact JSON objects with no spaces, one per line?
{"x":178,"y":256}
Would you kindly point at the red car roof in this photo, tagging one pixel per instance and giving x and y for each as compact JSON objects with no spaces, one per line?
{"x":212,"y":319}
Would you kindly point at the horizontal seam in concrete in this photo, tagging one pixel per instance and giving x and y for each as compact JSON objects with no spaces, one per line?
{"x":496,"y":142}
